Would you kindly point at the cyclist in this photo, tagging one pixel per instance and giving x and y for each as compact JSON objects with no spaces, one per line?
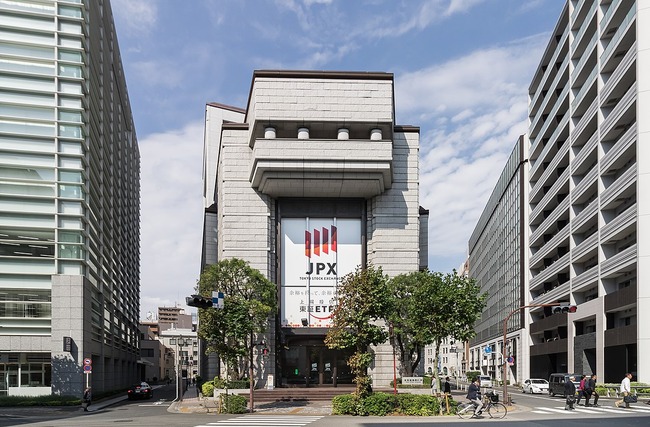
{"x":474,"y":396}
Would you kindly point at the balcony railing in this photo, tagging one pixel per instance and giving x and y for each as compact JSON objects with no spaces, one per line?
{"x":615,"y":115}
{"x":551,"y":219}
{"x":584,"y":152}
{"x":620,"y":70}
{"x":585,"y":183}
{"x":552,"y":140}
{"x":562,"y":152}
{"x":584,"y":120}
{"x":621,"y":260}
{"x":623,"y":144}
{"x":589,"y":82}
{"x":620,"y":32}
{"x":584,"y":247}
{"x":585,"y":214}
{"x":577,"y":70}
{"x":549,"y":272}
{"x":550,"y":194}
{"x":585,"y":278}
{"x":548,"y":246}
{"x":553,"y":60}
{"x":547,"y":99}
{"x":622,"y":182}
{"x":622,"y":221}
{"x":584,"y":26}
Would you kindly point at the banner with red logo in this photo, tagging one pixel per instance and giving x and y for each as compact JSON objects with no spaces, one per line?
{"x":316,"y":254}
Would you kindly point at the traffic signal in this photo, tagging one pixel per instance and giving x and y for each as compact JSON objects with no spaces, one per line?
{"x":564,"y":308}
{"x":198,"y":301}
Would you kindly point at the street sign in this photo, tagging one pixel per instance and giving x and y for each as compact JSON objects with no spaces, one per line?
{"x":67,"y":344}
{"x":511,"y":360}
{"x":487,"y":350}
{"x":88,"y":361}
{"x":217,"y":299}
{"x":88,"y":368}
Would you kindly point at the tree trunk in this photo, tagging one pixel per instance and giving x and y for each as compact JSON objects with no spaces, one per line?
{"x":251,"y":382}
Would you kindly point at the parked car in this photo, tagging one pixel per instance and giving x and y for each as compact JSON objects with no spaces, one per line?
{"x":485,"y":380}
{"x":535,"y":385}
{"x":556,"y":383}
{"x":140,"y":391}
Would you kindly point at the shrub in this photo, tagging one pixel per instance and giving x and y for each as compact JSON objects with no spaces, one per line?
{"x":243,"y":383}
{"x":472,"y":375}
{"x":207,"y":388}
{"x":223,"y":383}
{"x":48,"y":400}
{"x":380,"y":404}
{"x":233,"y":404}
{"x":344,"y":404}
{"x":417,"y":404}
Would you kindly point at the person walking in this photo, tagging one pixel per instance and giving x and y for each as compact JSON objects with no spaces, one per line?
{"x":591,"y":391}
{"x":86,"y":399}
{"x":446,"y":387}
{"x":474,"y":395}
{"x":625,"y":391}
{"x":581,"y":389}
{"x":570,"y":393}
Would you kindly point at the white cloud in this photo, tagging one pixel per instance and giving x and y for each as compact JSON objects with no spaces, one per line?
{"x":139,"y":16}
{"x":172,"y":215}
{"x":476,"y":105}
{"x":426,"y":13}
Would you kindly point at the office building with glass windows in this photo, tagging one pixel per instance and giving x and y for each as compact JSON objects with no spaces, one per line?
{"x":69,"y":202}
{"x":497,"y":260}
{"x":589,"y":193}
{"x":313,"y":180}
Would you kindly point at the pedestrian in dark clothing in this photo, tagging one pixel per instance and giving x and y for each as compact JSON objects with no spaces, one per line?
{"x":86,"y":399}
{"x":591,"y":391}
{"x":446,"y":387}
{"x":570,"y":393}
{"x":581,"y":389}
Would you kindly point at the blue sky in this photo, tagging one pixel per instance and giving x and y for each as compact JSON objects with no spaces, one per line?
{"x":462,"y":70}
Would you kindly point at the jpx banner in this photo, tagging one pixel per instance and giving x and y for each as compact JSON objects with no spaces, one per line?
{"x":316,"y":254}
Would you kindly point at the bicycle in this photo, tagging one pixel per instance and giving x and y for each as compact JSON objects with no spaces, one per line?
{"x":491,"y":405}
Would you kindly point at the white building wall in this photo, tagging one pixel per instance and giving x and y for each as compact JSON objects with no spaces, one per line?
{"x":643,"y":185}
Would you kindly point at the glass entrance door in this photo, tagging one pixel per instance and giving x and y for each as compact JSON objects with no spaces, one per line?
{"x":315,"y":365}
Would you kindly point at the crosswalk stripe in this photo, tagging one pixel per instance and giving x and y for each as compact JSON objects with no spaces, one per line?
{"x":555,"y":410}
{"x":589,"y":410}
{"x":267,"y":421}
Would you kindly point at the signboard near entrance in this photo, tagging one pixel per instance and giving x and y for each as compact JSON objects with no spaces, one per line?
{"x":316,"y":254}
{"x":412,"y":381}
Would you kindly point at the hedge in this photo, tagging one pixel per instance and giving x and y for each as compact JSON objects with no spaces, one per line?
{"x":382,"y":404}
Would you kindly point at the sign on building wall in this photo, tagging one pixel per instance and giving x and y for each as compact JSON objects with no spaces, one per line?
{"x":316,"y":254}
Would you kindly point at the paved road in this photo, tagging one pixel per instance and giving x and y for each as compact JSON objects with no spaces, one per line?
{"x":538,"y":411}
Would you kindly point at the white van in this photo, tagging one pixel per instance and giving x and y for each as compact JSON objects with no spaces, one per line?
{"x":485,"y":380}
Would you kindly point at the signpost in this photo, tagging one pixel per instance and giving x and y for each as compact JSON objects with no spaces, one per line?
{"x":88,"y":369}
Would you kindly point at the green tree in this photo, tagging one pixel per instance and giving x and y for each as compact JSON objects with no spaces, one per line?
{"x":449,"y":306}
{"x":249,"y":301}
{"x":362,"y":300}
{"x":409,"y":331}
{"x":427,"y":307}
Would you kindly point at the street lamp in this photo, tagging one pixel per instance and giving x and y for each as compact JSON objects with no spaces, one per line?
{"x":179,"y":342}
